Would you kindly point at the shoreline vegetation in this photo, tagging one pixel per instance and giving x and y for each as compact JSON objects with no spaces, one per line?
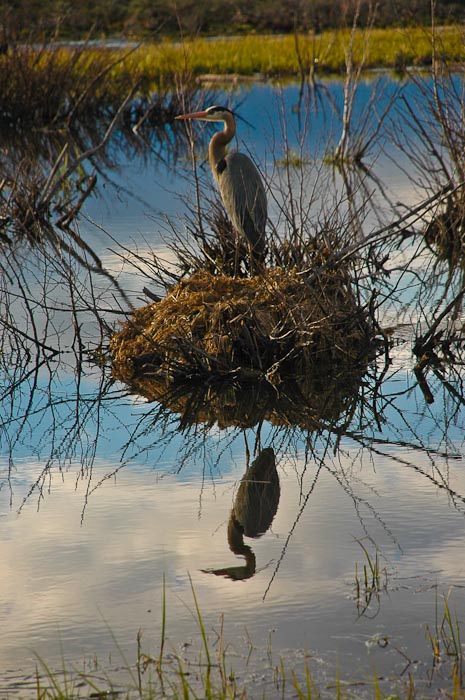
{"x":209,"y":666}
{"x":167,"y":64}
{"x":290,"y":55}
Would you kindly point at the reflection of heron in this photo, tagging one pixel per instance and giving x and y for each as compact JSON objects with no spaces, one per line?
{"x":253,"y":511}
{"x":238,"y":179}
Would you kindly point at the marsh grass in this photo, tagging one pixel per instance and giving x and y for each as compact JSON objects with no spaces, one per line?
{"x":61,"y":89}
{"x":445,"y":640}
{"x":213,"y":670}
{"x":277,"y":56}
{"x":61,"y":109}
{"x":46,"y":87}
{"x":40,"y":85}
{"x":370,"y":582}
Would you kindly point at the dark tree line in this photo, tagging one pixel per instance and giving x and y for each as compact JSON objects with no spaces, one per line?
{"x":26,"y":18}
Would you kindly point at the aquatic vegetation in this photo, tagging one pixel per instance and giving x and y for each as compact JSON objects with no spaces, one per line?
{"x":445,"y":640}
{"x":370,"y":582}
{"x":39,"y":204}
{"x":215,"y":670}
{"x":429,"y":129}
{"x":61,"y":110}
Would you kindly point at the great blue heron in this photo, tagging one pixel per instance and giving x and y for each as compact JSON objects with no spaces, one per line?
{"x":238,"y":180}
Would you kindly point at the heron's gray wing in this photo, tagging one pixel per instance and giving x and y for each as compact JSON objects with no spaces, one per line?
{"x":244,"y":197}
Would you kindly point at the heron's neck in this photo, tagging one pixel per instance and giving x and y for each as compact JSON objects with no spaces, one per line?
{"x":217,"y":147}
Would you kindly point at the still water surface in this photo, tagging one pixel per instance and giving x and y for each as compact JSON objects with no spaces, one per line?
{"x":94,"y":519}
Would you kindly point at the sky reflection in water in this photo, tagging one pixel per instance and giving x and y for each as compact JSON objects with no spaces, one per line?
{"x":92,"y":554}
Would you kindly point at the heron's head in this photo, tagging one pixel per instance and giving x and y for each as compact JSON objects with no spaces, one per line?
{"x":212,"y":114}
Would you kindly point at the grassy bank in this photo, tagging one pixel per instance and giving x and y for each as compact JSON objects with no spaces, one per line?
{"x":166,"y":64}
{"x":50,"y":86}
{"x":279,"y":56}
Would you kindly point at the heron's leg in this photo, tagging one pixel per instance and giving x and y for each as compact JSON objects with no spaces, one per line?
{"x":257,"y":266}
{"x":236,"y":252}
{"x":253,"y":261}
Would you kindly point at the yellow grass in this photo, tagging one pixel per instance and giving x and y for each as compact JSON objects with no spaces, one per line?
{"x":273,"y":56}
{"x":165,"y":64}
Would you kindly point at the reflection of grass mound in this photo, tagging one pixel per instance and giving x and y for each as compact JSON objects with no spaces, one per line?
{"x":307,"y":402}
{"x":276,"y":325}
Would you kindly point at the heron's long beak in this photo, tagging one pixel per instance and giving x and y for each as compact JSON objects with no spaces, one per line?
{"x":193,"y":115}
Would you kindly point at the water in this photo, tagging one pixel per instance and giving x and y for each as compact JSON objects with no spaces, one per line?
{"x":103,"y":499}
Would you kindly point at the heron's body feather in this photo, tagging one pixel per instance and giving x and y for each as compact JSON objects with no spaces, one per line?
{"x":244,"y":197}
{"x":238,"y":180}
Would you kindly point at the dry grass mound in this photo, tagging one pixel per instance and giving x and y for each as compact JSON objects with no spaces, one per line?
{"x":277,"y":325}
